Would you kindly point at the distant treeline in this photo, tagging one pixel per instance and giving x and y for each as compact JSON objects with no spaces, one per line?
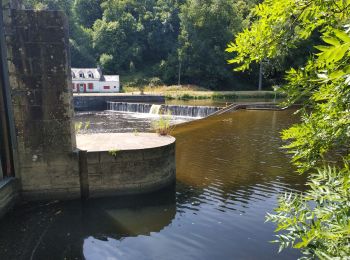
{"x":160,"y":38}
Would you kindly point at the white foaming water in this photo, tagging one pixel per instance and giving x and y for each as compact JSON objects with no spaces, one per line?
{"x":155,"y":109}
{"x":174,"y":110}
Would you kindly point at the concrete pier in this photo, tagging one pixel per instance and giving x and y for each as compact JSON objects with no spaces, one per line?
{"x":128,"y":163}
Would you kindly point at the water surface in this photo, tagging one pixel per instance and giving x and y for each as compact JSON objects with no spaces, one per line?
{"x":116,"y":122}
{"x":230,"y":171}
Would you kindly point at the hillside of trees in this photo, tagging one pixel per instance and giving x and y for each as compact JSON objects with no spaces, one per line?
{"x":163,"y":39}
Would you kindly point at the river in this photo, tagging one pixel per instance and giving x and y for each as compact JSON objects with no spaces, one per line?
{"x":230,"y":171}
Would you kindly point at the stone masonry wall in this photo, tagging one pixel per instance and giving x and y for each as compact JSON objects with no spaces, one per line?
{"x":131,"y":172}
{"x":38,"y":59}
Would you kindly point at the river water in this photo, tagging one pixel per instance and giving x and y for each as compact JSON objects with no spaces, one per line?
{"x":230,"y":170}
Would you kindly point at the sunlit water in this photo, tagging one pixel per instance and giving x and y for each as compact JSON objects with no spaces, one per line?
{"x":116,"y":122}
{"x":230,"y":170}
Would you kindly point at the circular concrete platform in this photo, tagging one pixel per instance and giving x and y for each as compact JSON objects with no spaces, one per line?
{"x":121,"y":141}
{"x":128,"y":163}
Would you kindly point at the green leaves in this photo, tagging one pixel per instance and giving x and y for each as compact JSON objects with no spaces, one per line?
{"x":339,"y":45}
{"x":318,"y":221}
{"x":321,"y":229}
{"x":205,"y":28}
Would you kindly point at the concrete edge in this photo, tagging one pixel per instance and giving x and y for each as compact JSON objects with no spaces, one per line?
{"x":9,"y":195}
{"x":146,"y":189}
{"x":51,"y":194}
{"x":133,"y":150}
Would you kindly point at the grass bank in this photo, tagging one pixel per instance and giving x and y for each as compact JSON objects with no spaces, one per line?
{"x":190,"y":92}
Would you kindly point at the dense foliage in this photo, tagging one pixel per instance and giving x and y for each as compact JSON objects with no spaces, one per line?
{"x":205,"y":29}
{"x":317,"y":221}
{"x":164,"y":39}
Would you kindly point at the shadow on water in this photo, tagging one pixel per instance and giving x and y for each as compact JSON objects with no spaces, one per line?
{"x":70,"y":230}
{"x":230,"y":171}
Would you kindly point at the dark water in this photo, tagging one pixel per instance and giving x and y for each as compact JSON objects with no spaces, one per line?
{"x":229,"y":172}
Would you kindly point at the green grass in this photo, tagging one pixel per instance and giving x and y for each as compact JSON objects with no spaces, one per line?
{"x":140,"y":81}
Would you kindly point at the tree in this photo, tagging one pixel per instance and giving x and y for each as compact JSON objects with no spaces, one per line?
{"x":87,"y":12}
{"x":138,"y":32}
{"x":317,"y":221}
{"x":206,"y":27}
{"x":118,"y":39}
{"x":64,"y":5}
{"x":80,"y":39}
{"x":161,"y":38}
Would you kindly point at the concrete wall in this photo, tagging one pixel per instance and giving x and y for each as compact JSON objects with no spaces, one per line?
{"x":131,"y":172}
{"x":38,"y":58}
{"x":9,"y":194}
{"x":98,"y":102}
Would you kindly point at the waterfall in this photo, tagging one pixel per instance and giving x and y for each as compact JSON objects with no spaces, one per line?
{"x":190,"y":111}
{"x":174,"y":110}
{"x":129,"y":107}
{"x":155,"y":109}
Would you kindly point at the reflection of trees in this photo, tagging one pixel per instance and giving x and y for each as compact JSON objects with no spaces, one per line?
{"x":229,"y":161}
{"x":61,"y":228}
{"x":234,"y":156}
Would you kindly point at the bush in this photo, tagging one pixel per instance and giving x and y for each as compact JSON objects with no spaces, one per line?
{"x":154,"y":82}
{"x":162,"y":126}
{"x":106,"y":62}
{"x":317,"y":221}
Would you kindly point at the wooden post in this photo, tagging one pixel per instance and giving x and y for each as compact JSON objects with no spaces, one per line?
{"x":83,"y":175}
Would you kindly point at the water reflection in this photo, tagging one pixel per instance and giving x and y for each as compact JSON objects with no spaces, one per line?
{"x":75,"y":230}
{"x":230,"y":170}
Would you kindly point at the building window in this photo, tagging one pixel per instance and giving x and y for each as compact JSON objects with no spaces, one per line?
{"x":90,"y":86}
{"x":90,"y":75}
{"x":106,"y":87}
{"x":81,"y":74}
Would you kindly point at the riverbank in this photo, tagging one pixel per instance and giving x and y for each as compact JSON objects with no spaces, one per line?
{"x":190,"y":92}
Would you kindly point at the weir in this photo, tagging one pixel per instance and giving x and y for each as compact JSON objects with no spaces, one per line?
{"x":174,"y":110}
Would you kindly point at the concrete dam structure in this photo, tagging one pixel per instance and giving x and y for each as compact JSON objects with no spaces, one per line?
{"x":98,"y":102}
{"x":126,"y":163}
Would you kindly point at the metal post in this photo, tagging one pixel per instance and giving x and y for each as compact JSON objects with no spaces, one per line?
{"x":7,"y":121}
{"x":260,"y":75}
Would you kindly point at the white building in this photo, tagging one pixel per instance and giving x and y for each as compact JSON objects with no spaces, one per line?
{"x":93,"y":81}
